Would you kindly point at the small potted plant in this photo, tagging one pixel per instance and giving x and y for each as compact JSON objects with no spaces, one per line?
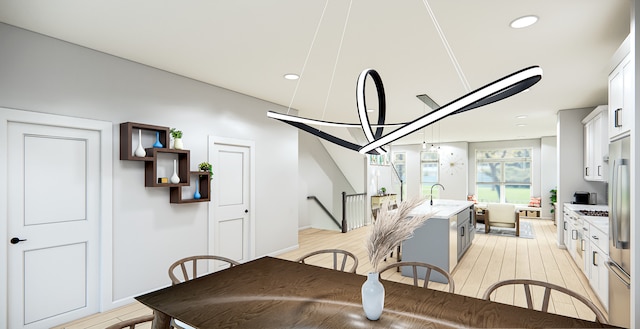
{"x":206,"y":166}
{"x":177,"y":138}
{"x":383,"y":190}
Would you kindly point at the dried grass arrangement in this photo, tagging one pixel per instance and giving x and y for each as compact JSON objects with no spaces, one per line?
{"x":391,"y":227}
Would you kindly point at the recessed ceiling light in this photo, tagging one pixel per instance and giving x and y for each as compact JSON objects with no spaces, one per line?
{"x":291,"y":76}
{"x":521,"y":117}
{"x":523,"y":21}
{"x":521,"y":125}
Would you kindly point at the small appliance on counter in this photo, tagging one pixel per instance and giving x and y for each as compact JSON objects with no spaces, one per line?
{"x":581,"y":197}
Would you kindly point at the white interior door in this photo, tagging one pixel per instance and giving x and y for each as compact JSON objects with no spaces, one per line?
{"x":53,"y":204}
{"x":231,"y":221}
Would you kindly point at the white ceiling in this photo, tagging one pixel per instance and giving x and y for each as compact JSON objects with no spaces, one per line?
{"x":247,"y":46}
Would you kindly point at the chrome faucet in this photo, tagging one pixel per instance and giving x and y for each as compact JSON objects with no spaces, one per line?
{"x":431,"y":195}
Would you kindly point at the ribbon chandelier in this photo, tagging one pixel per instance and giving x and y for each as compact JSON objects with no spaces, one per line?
{"x":498,"y":90}
{"x":490,"y":93}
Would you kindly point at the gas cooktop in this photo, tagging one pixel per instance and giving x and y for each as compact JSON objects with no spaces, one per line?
{"x":598,"y":213}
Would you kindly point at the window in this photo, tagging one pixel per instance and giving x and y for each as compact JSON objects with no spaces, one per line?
{"x":429,"y":172}
{"x":400,"y":163}
{"x":503,"y":175}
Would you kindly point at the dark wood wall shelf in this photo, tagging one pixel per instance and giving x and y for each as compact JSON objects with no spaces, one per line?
{"x":204,"y":187}
{"x":130,"y":129}
{"x":151,"y":168}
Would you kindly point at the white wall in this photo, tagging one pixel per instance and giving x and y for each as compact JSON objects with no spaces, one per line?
{"x":319,"y":176}
{"x":43,"y":74}
{"x":548,"y":173}
{"x":452,"y":169}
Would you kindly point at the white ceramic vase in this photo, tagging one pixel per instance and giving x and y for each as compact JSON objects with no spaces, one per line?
{"x":175,"y":179}
{"x":373,"y":296}
{"x":177,"y":144}
{"x":140,"y":152}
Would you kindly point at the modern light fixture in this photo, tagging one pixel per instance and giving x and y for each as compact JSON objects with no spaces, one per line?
{"x":523,"y":21}
{"x":521,"y":125}
{"x":291,"y":76}
{"x":490,"y":93}
{"x":521,"y":117}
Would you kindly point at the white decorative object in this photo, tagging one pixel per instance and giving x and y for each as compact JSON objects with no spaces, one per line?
{"x":174,"y":178}
{"x":373,"y":296}
{"x":140,"y":152}
{"x":177,"y":143}
{"x":390,"y":228}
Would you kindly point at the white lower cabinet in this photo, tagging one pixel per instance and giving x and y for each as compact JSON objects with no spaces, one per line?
{"x":598,"y":274}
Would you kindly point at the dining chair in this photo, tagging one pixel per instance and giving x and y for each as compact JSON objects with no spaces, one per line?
{"x":132,"y":323}
{"x":193,"y":262}
{"x":345,"y":256}
{"x":420,"y":265}
{"x":548,"y":287}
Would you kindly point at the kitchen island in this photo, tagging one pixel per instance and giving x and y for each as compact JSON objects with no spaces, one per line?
{"x":443,"y":239}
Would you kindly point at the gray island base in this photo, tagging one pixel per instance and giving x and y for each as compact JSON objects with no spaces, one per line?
{"x":441,"y":240}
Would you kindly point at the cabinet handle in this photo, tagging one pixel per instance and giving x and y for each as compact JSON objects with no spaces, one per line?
{"x":593,"y":258}
{"x":565,"y":226}
{"x":595,"y":237}
{"x":462,"y":231}
{"x":616,"y":118}
{"x":599,"y":174}
{"x":586,"y":171}
{"x":574,"y":235}
{"x":582,"y":245}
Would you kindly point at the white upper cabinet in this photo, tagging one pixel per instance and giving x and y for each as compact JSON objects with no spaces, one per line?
{"x":596,"y":144}
{"x":621,"y":103}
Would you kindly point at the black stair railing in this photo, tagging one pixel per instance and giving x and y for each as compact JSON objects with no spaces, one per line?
{"x":353,"y":211}
{"x":312,"y":197}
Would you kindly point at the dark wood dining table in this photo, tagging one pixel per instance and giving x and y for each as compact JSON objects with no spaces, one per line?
{"x":274,"y":293}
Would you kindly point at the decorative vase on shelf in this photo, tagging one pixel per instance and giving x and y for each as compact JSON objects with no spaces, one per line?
{"x":157,"y":144}
{"x":177,"y":144}
{"x":174,"y":178}
{"x":373,"y":296}
{"x":140,"y":152}
{"x":197,"y":194}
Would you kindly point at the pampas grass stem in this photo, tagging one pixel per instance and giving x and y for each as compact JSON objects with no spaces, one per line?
{"x":391,"y":227}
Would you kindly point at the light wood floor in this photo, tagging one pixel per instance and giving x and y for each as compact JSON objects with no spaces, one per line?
{"x":489,"y":259}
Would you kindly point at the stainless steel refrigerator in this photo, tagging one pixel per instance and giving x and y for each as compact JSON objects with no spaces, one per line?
{"x":619,"y":263}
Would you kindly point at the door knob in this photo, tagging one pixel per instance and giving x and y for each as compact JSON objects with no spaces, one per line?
{"x":246,"y":211}
{"x":16,"y":240}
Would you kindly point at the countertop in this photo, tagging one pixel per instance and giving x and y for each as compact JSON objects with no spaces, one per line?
{"x":601,"y":223}
{"x":443,"y":208}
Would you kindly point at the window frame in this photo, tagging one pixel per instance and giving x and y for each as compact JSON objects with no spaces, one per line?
{"x":503,"y":184}
{"x":425,"y":187}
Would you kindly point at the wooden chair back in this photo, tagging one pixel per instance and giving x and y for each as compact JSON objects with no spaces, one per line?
{"x":338,"y":254}
{"x":193,"y":263}
{"x":132,"y":323}
{"x":429,"y":267}
{"x":548,"y":287}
